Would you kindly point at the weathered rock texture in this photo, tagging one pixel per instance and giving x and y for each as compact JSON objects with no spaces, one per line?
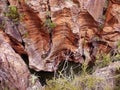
{"x":108,"y":76}
{"x":14,"y":73}
{"x":76,"y":32}
{"x":50,"y":31}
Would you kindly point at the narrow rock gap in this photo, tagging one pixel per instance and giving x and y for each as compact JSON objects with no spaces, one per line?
{"x":50,"y":30}
{"x":8,"y":3}
{"x":25,"y":58}
{"x":43,"y":76}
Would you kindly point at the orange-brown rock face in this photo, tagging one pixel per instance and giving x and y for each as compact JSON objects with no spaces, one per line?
{"x":115,"y":1}
{"x":13,"y":2}
{"x":37,"y":38}
{"x":16,"y":45}
{"x":111,"y":31}
{"x":91,"y":8}
{"x":75,"y":34}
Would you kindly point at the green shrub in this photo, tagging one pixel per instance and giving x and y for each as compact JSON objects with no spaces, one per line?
{"x":77,"y":83}
{"x":12,"y":13}
{"x":49,"y":23}
{"x":103,"y":60}
{"x":33,"y":78}
{"x":73,"y":82}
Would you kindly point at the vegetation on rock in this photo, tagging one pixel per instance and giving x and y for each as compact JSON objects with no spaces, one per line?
{"x":64,"y":44}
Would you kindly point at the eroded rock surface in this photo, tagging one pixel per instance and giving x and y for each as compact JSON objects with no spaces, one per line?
{"x":14,"y":73}
{"x":108,"y":76}
{"x":75,"y":29}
